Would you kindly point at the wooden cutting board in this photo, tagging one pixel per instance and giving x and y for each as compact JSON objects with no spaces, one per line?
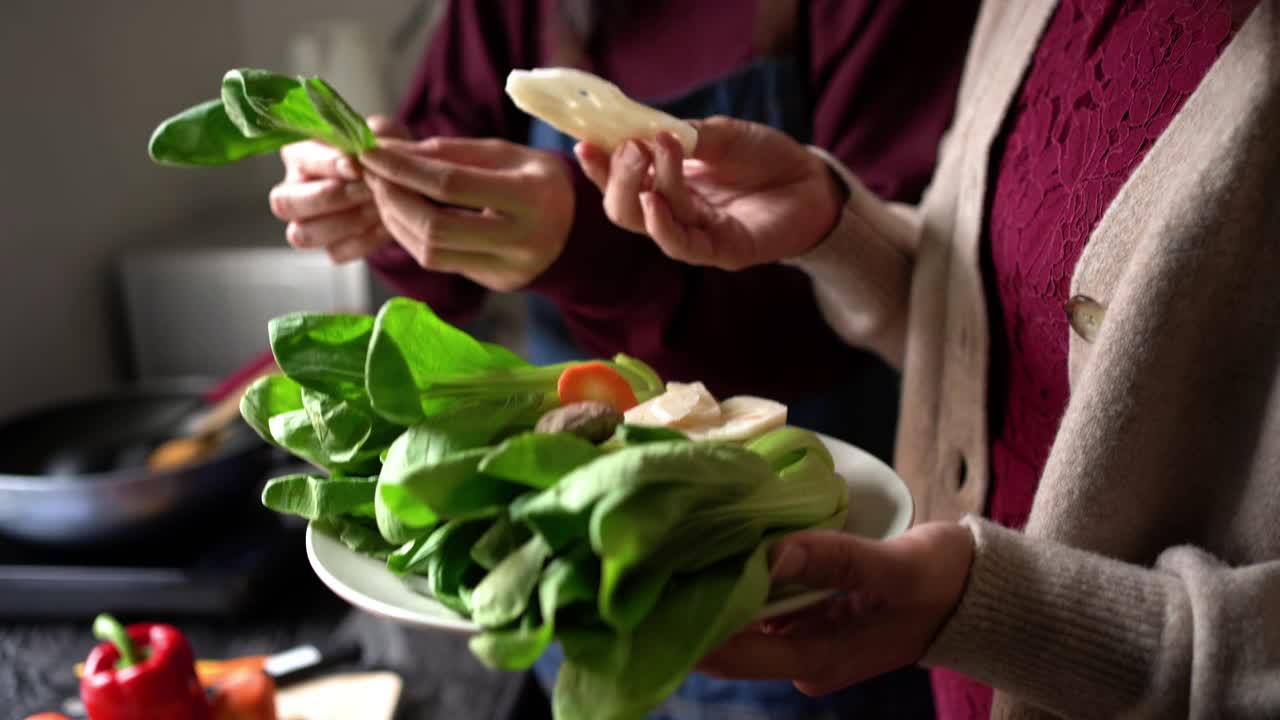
{"x":367,"y":695}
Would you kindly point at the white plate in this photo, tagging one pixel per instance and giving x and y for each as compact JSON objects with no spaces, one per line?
{"x":879,"y":507}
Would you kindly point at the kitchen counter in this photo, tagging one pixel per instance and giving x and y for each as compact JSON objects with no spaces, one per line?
{"x":441,"y":678}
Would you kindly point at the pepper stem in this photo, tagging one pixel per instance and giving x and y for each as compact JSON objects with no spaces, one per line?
{"x":109,"y":629}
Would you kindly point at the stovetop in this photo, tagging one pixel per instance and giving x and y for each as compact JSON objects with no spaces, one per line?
{"x":219,"y":572}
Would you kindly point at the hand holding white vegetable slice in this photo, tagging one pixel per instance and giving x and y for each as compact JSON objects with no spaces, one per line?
{"x":591,"y":108}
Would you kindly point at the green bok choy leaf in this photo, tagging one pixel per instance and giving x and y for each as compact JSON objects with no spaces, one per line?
{"x":259,"y":112}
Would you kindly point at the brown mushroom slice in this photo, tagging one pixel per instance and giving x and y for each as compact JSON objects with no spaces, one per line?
{"x":591,"y":421}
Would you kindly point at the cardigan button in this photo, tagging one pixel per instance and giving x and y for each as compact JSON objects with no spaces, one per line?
{"x":1085,"y":316}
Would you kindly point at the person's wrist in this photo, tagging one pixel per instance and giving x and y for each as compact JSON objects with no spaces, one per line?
{"x":550,"y":254}
{"x":561,"y":204}
{"x":565,"y":199}
{"x":956,"y":548}
{"x":830,"y":201}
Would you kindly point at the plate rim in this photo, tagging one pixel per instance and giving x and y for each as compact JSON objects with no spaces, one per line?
{"x":450,"y":621}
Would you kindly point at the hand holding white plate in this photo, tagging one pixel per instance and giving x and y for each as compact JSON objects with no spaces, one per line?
{"x":879,"y":507}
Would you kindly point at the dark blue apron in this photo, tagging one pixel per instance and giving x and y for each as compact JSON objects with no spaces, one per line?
{"x":771,"y":90}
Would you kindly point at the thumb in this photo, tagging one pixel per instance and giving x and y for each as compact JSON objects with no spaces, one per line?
{"x":490,"y":153}
{"x":729,"y":141}
{"x":718,"y":137}
{"x":383,"y":126}
{"x":831,"y":560}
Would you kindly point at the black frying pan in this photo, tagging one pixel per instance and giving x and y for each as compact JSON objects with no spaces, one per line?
{"x":74,"y":474}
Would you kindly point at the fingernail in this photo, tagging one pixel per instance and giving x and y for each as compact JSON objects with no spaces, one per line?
{"x":788,"y":563}
{"x":358,"y":191}
{"x":631,"y":156}
{"x":347,"y":169}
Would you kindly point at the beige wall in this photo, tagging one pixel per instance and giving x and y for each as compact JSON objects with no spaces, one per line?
{"x":84,"y":83}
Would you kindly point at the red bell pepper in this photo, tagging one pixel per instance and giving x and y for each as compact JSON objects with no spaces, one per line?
{"x":144,"y":672}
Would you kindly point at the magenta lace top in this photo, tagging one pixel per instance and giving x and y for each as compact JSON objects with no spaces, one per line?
{"x":1106,"y":80}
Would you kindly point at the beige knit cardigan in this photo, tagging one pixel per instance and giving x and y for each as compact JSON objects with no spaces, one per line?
{"x":1147,"y":582}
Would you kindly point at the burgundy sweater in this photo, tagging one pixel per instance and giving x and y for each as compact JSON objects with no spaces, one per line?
{"x":757,"y":331}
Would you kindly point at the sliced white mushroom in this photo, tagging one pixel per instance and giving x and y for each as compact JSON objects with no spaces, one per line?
{"x":687,"y":405}
{"x":741,"y":418}
{"x":682,"y":405}
{"x":642,"y":414}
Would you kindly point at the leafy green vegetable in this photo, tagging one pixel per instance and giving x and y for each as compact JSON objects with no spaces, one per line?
{"x":323,"y":352}
{"x":641,"y":434}
{"x":330,"y":433}
{"x":503,"y":595}
{"x":450,"y":571}
{"x":259,"y":112}
{"x":570,"y":578}
{"x":293,"y":431}
{"x":640,"y":668}
{"x":402,"y":515}
{"x":267,"y":397}
{"x":538,"y":460}
{"x":412,"y":557}
{"x":413,"y":348}
{"x":346,"y":433}
{"x":204,"y":135}
{"x":432,"y":470}
{"x":500,"y":540}
{"x":261,"y":103}
{"x":394,"y":528}
{"x":638,"y":555}
{"x":627,"y":529}
{"x":785,"y":446}
{"x":356,"y":534}
{"x":450,"y":488}
{"x":315,"y":497}
{"x":340,"y":116}
{"x":693,"y":535}
{"x":643,"y":380}
{"x":564,"y":513}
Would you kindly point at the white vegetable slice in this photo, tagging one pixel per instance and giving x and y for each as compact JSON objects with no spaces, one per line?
{"x":687,"y":405}
{"x":742,"y":418}
{"x":591,"y":108}
{"x":682,"y":405}
{"x":643,"y":414}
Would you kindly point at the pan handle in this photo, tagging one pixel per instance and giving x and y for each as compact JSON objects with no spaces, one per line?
{"x":242,"y":377}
